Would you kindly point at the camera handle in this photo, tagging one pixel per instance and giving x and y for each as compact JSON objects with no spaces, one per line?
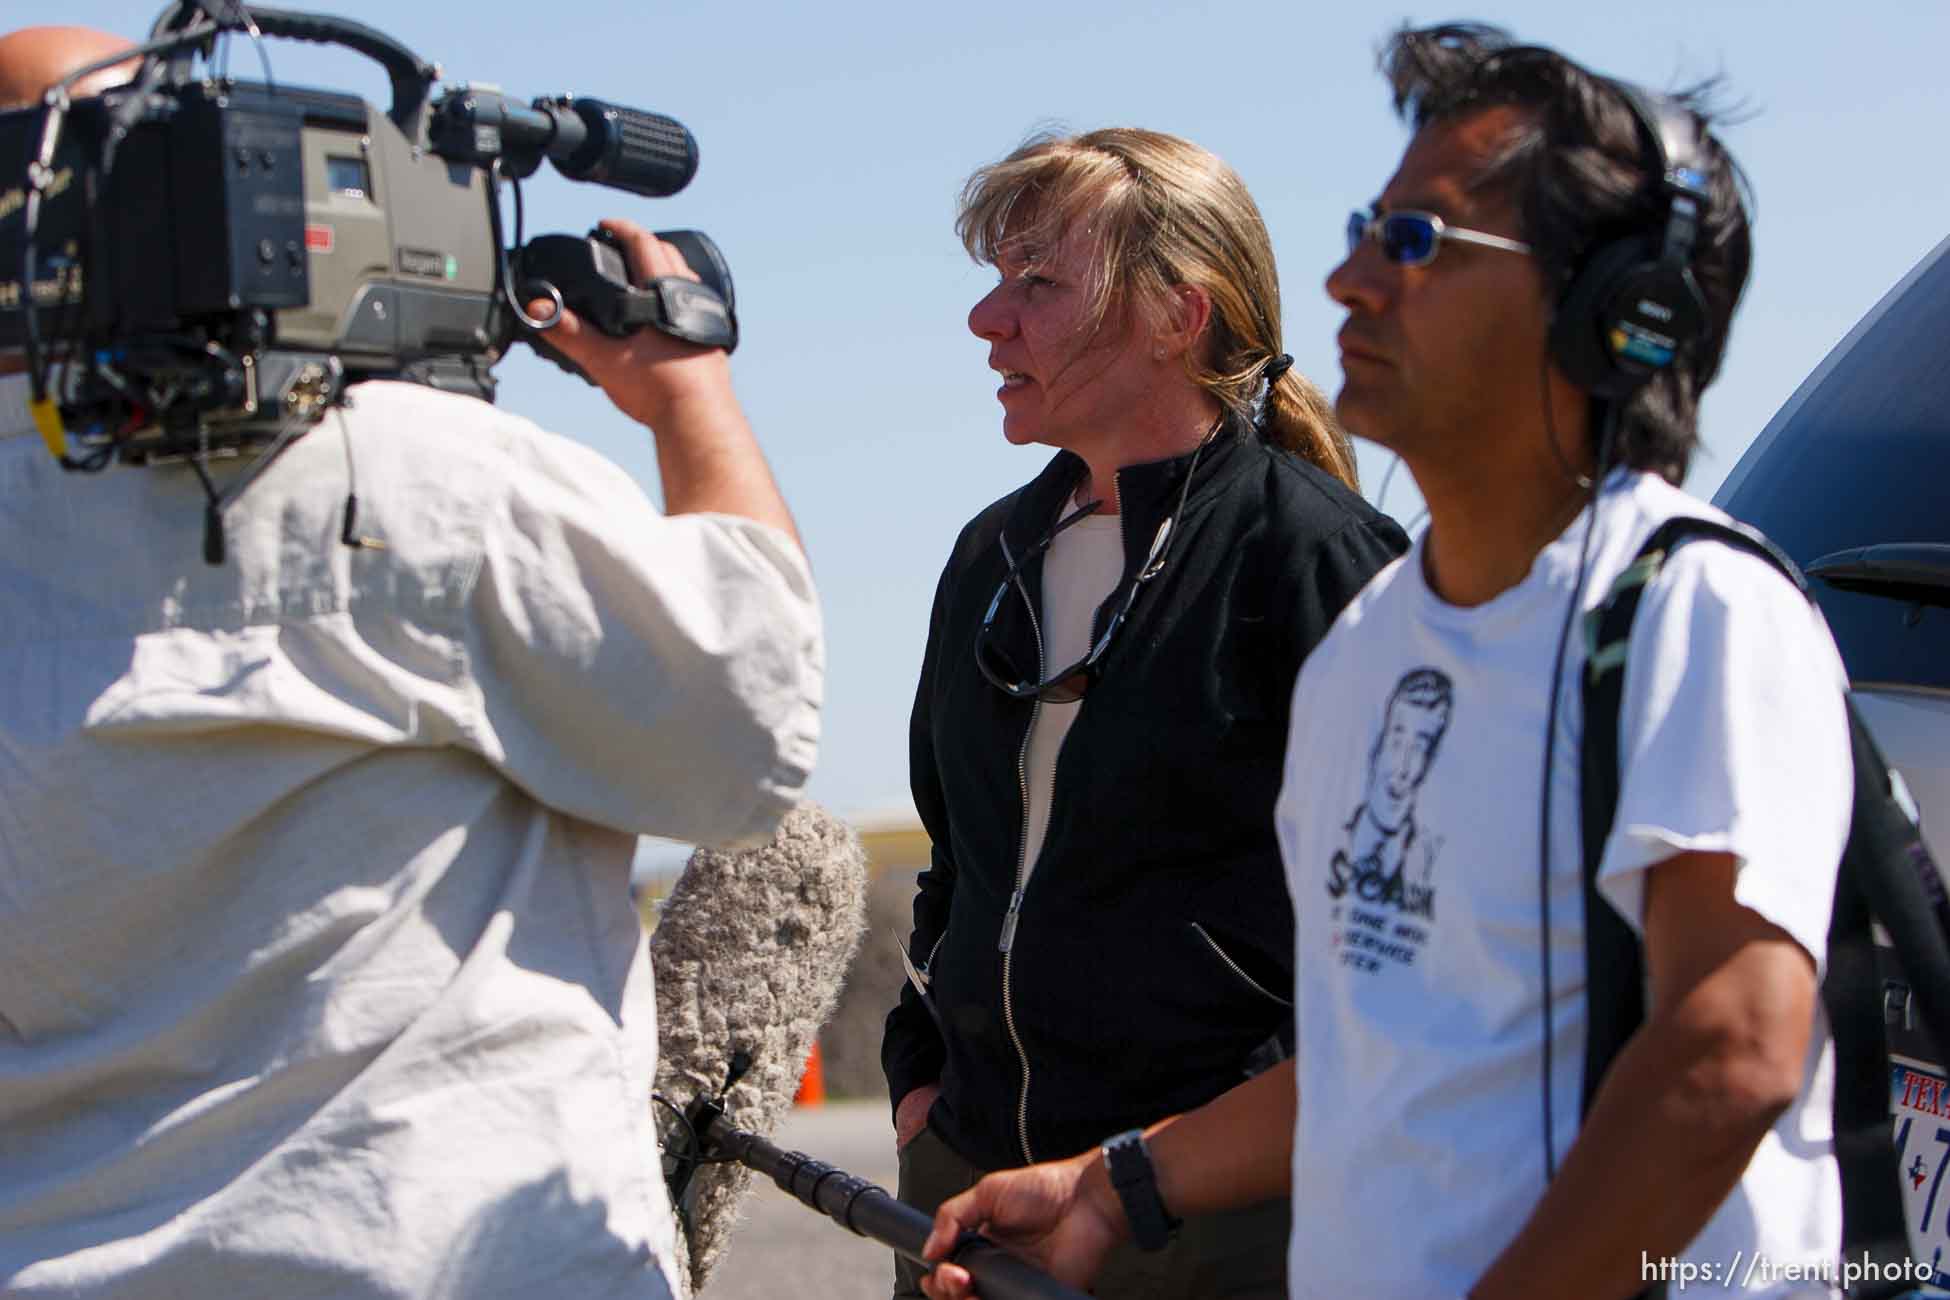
{"x":589,"y":276}
{"x":412,"y":77}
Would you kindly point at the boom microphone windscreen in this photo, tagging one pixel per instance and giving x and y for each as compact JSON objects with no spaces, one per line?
{"x":749,"y":954}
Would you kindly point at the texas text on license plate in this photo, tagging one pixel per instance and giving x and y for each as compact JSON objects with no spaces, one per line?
{"x":1920,"y":1103}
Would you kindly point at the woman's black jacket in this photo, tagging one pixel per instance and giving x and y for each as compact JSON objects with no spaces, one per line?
{"x":1153,"y":951}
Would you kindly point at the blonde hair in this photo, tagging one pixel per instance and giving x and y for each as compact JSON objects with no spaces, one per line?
{"x":1166,"y":213}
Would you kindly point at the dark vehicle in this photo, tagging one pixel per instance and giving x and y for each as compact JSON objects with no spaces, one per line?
{"x":1852,"y":479}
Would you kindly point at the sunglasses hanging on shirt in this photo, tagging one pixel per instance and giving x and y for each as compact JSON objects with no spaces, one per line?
{"x":1072,"y":683}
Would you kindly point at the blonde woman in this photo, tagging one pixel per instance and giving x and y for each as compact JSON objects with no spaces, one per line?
{"x":1103,"y":937}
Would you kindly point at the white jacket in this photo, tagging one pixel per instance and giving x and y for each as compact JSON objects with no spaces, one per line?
{"x":318,"y":970}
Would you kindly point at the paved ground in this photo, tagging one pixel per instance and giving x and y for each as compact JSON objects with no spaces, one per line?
{"x":784,"y":1249}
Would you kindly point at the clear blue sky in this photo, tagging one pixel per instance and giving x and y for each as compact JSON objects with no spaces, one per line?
{"x":834,"y":139}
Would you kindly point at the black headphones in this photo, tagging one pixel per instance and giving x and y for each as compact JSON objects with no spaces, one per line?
{"x":1634,"y":304}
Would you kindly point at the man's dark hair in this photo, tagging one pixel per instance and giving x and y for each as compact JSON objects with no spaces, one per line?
{"x":1583,"y":174}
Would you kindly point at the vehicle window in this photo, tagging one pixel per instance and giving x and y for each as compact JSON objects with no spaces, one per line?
{"x":1888,"y":641}
{"x":1860,"y":457}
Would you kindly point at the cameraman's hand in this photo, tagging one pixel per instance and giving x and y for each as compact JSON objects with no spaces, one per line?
{"x":647,"y":371}
{"x":1062,"y":1216}
{"x":707,"y":456}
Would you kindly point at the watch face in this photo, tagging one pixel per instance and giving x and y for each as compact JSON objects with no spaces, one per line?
{"x":1126,"y":1156}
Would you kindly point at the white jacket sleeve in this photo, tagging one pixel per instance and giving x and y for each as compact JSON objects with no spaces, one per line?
{"x":650,"y":673}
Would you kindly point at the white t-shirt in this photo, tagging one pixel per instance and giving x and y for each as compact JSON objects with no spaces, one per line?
{"x":318,"y":970}
{"x":1409,"y":826}
{"x":1081,"y":567}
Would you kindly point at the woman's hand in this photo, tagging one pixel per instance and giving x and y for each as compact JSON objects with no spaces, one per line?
{"x":1062,"y":1216}
{"x":911,"y":1116}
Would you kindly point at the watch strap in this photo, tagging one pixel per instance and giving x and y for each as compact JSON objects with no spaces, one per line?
{"x":1128,"y":1162}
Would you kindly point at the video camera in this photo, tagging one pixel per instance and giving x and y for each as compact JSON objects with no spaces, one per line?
{"x":195,"y":264}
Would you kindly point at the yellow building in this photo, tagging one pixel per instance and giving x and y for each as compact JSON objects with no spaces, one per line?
{"x":893,"y":839}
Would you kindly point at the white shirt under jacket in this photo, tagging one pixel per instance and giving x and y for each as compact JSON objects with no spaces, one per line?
{"x":318,"y":970}
{"x":1409,"y":826}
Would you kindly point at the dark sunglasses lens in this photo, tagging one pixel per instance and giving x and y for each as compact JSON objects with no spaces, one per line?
{"x":1357,"y":230}
{"x":1067,"y":689}
{"x":995,"y":664}
{"x":1407,"y":239}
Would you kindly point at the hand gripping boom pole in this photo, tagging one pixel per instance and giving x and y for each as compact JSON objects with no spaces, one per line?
{"x":869,"y":1211}
{"x":860,"y":1206}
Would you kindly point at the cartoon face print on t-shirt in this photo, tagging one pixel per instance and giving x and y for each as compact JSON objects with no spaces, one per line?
{"x":1382,"y":879}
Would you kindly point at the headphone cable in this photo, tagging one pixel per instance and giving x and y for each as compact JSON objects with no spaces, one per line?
{"x":1594,"y":483}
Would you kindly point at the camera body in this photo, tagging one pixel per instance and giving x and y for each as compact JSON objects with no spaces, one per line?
{"x":210,"y":260}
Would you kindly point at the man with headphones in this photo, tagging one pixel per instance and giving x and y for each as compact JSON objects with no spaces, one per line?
{"x":1534,"y":304}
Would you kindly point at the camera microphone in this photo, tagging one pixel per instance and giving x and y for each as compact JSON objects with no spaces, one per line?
{"x":624,"y":148}
{"x":749,"y":953}
{"x":587,"y":139}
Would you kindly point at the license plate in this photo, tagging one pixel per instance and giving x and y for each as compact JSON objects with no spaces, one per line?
{"x":1920,"y":1103}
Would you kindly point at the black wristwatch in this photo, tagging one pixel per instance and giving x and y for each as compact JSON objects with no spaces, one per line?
{"x":1128,"y":1161}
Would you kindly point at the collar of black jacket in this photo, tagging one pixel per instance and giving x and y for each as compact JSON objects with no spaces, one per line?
{"x":1146,"y":493}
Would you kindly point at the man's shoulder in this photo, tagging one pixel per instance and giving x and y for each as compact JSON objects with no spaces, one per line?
{"x":1639,"y":502}
{"x":1374,"y":613}
{"x":1728,"y":576}
{"x":416,"y":418}
{"x":453,"y":447}
{"x":439,"y":476}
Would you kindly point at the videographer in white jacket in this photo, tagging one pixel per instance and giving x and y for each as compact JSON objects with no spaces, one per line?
{"x":319,"y":973}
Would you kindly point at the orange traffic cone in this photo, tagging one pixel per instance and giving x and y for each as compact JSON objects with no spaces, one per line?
{"x":812,"y":1084}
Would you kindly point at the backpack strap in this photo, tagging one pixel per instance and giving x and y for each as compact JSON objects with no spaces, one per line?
{"x":1614,"y":970}
{"x":1615,"y":973}
{"x":1873,"y":1220}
